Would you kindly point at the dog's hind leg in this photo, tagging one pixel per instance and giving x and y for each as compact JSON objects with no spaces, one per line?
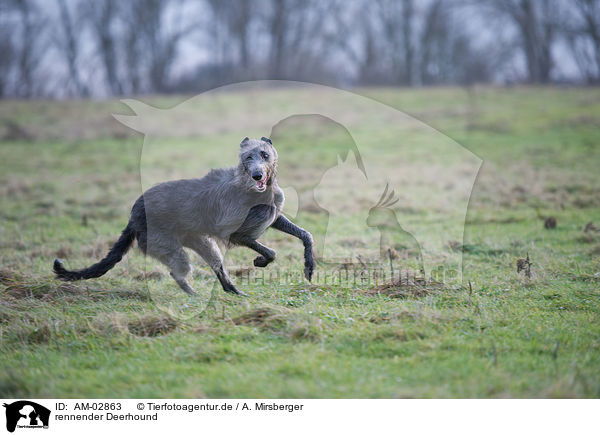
{"x":208,"y":249}
{"x":267,"y":255}
{"x":180,"y":268}
{"x":178,"y":263}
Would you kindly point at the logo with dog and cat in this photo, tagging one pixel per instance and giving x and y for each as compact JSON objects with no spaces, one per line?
{"x":383,"y":194}
{"x":24,"y":414}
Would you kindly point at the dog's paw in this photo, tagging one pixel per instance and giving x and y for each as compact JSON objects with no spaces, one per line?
{"x":309,"y":267}
{"x":235,"y":291}
{"x":261,"y":261}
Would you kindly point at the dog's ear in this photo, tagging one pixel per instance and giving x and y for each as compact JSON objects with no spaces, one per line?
{"x":266,"y":139}
{"x":244,"y":142}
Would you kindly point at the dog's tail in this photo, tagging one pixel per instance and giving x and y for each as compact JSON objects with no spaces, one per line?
{"x":113,"y":257}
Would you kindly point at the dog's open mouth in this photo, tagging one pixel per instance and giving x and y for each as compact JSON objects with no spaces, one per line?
{"x":261,"y":185}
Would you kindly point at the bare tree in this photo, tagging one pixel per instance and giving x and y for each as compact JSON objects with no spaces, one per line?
{"x":408,"y":43}
{"x":537,"y":24}
{"x":132,"y":51}
{"x":583,"y":36}
{"x":357,"y":34}
{"x":103,"y":16}
{"x":33,"y":44}
{"x":136,"y":45}
{"x":6,"y":56}
{"x":397,"y":21}
{"x":241,"y":28}
{"x":434,"y":31}
{"x":7,"y":49}
{"x":68,"y":44}
{"x":152,"y":44}
{"x":232,"y":19}
{"x":407,"y":39}
{"x":297,"y":39}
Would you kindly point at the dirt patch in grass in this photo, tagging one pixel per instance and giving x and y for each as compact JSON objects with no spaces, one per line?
{"x":498,"y":127}
{"x":7,"y":276}
{"x":582,"y":121}
{"x":494,"y":220}
{"x":153,"y":275}
{"x":12,"y":131}
{"x":264,"y":317}
{"x":550,"y":223}
{"x":475,"y":248}
{"x":393,"y":317}
{"x":25,"y":287}
{"x":576,"y":195}
{"x":241,"y":271}
{"x":151,"y":325}
{"x":204,"y":329}
{"x":63,"y":252}
{"x":582,"y":277}
{"x":31,"y":330}
{"x":305,"y":328}
{"x":587,"y":238}
{"x":283,"y":322}
{"x":144,"y":325}
{"x":15,"y":188}
{"x":390,"y":332}
{"x":406,"y":288}
{"x":98,"y":248}
{"x":591,"y":233}
{"x":40,"y":291}
{"x":586,"y":201}
{"x":595,"y":251}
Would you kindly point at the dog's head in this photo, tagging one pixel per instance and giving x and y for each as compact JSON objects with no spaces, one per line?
{"x":258,"y":161}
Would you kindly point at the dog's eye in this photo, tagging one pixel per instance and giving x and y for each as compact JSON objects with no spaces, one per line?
{"x":264,"y":155}
{"x":248,"y":158}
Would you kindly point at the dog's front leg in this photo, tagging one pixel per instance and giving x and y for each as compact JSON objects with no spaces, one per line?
{"x":284,"y":224}
{"x":267,"y":255}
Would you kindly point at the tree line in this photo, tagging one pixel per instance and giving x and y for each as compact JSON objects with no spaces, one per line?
{"x":97,"y":48}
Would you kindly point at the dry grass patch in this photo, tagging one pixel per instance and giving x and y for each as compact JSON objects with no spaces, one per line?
{"x":305,"y":328}
{"x":153,"y":275}
{"x":144,"y":325}
{"x":204,"y":329}
{"x":264,"y":317}
{"x":41,"y":291}
{"x":12,"y":132}
{"x":31,"y":330}
{"x":7,"y":276}
{"x":151,"y":325}
{"x":25,"y":287}
{"x":585,"y":277}
{"x":595,"y":251}
{"x":283,"y":322}
{"x":241,"y":271}
{"x":403,"y":288}
{"x":396,"y":316}
{"x":588,"y":238}
{"x":12,"y":188}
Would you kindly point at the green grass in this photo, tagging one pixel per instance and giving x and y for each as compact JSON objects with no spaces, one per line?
{"x":68,"y":189}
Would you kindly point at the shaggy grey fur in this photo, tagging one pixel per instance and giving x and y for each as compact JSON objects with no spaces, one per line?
{"x":235,"y":205}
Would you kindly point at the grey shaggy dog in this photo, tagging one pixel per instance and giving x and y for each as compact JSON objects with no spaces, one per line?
{"x":235,"y":205}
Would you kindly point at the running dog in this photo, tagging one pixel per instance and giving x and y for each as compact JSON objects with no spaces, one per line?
{"x":235,"y":205}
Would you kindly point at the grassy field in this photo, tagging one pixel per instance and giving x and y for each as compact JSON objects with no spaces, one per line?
{"x":68,"y":176}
